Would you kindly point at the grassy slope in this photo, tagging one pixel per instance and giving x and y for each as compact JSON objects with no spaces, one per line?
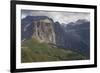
{"x":33,"y":51}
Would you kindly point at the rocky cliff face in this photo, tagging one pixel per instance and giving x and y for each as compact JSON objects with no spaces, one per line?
{"x":75,"y":36}
{"x":43,"y":30}
{"x":60,"y":35}
{"x":78,"y":36}
{"x":40,"y":28}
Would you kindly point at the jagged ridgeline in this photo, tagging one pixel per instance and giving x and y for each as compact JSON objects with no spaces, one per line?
{"x":42,"y":39}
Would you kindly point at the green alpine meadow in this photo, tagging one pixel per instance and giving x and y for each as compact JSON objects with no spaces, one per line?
{"x":33,"y":51}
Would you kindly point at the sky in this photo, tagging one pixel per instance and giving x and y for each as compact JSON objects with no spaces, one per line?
{"x":62,"y":17}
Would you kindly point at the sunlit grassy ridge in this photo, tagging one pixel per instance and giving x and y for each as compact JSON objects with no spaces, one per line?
{"x":33,"y":51}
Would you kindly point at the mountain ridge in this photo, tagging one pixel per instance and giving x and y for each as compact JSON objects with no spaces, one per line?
{"x":71,"y":36}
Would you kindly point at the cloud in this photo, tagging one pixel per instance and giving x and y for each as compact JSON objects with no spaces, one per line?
{"x":62,"y":17}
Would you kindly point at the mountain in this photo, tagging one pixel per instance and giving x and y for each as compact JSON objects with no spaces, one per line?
{"x":81,"y":28}
{"x":79,"y":35}
{"x":51,"y":35}
{"x":38,"y":27}
{"x":60,"y":35}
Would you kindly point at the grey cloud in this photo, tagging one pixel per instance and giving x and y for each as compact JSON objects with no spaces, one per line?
{"x":62,"y":17}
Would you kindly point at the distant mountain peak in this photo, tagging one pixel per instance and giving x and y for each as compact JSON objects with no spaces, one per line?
{"x":80,"y":21}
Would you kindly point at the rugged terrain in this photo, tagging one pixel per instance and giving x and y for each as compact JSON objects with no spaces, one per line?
{"x":46,"y":40}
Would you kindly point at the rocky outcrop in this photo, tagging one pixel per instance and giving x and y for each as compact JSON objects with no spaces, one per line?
{"x":38,"y":27}
{"x":43,"y":30}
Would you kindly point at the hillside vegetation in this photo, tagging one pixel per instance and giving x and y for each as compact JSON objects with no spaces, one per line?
{"x":33,"y":51}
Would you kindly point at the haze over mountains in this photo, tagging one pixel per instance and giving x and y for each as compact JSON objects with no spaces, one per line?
{"x":74,"y":35}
